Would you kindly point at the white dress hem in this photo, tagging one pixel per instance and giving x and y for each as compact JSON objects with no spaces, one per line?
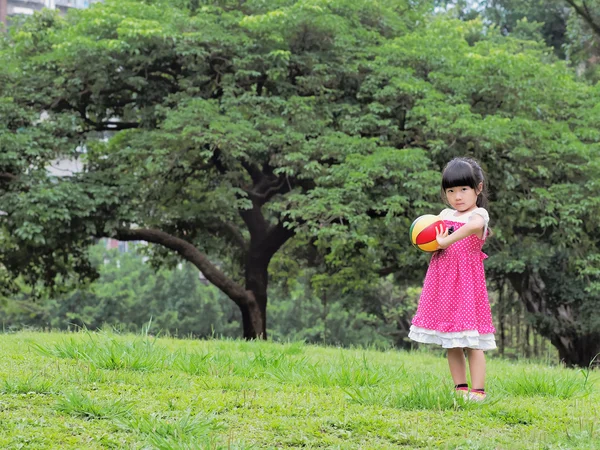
{"x":462,"y":339}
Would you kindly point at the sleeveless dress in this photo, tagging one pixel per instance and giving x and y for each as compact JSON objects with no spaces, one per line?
{"x":454,"y":310}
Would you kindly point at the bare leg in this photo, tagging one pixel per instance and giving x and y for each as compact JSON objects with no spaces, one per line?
{"x":476,"y":368}
{"x":458,"y":365}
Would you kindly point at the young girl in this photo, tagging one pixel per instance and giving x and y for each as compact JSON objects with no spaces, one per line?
{"x":454,"y":311}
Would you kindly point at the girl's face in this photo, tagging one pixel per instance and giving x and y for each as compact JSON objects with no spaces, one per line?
{"x":463,"y":198}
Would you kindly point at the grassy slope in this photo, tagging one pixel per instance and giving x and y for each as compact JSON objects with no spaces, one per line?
{"x":92,"y":390}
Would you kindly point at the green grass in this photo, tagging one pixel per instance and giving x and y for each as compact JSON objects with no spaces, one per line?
{"x":102,"y":390}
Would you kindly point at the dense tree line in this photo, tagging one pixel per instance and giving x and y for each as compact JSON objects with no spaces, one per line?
{"x":270,"y":141}
{"x":132,"y":296}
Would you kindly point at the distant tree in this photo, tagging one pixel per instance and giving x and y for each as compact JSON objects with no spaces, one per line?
{"x":571,"y":27}
{"x":511,"y":16}
{"x":537,"y":19}
{"x":589,"y":11}
{"x":129,"y":295}
{"x":583,"y":45}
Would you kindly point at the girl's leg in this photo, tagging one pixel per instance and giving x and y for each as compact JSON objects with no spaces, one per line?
{"x":476,"y":368}
{"x":458,"y":366}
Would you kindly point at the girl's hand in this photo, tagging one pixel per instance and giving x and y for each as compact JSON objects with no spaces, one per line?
{"x":441,"y":236}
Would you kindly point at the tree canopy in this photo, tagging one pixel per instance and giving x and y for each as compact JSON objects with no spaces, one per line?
{"x":232,"y":128}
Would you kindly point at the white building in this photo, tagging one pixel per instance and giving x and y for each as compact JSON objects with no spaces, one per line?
{"x":10,"y":8}
{"x":64,"y":167}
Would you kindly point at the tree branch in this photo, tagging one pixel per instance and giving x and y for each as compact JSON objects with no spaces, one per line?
{"x":232,"y":231}
{"x":190,"y":253}
{"x":269,"y":192}
{"x":63,"y":105}
{"x":277,"y":235}
{"x":255,"y":221}
{"x":8,"y":177}
{"x":255,"y":173}
{"x":216,"y":160}
{"x":385,"y":271}
{"x":585,"y":14}
{"x":587,"y":10}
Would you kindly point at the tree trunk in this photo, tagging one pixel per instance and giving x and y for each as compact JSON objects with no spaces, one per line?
{"x":254,"y":312}
{"x":542,"y":346}
{"x":254,"y":320}
{"x":528,"y":341}
{"x":518,"y":346}
{"x":577,"y":350}
{"x":558,"y":323}
{"x":502,"y":318}
{"x":324,"y":314}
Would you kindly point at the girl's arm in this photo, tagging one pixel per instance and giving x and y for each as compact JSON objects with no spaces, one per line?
{"x":475,"y":224}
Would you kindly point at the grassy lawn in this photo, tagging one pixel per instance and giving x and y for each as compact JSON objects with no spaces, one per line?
{"x":99,"y":390}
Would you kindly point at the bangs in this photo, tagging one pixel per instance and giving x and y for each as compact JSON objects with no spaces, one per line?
{"x":458,"y":173}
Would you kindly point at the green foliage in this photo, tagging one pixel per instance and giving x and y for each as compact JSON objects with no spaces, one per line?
{"x":570,"y":27}
{"x":300,"y":313}
{"x":77,"y":404}
{"x":28,"y":385}
{"x":229,"y":125}
{"x":130,"y":296}
{"x":582,"y":48}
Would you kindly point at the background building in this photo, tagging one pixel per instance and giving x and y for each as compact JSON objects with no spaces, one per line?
{"x":9,"y":8}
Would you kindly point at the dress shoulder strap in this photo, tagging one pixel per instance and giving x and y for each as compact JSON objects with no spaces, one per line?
{"x":445,"y":213}
{"x":486,"y":218}
{"x":483,"y":213}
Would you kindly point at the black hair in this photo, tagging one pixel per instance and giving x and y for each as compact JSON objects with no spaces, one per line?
{"x":465,"y":172}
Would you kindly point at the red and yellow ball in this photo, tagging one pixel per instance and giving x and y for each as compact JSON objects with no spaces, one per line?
{"x":423,"y":232}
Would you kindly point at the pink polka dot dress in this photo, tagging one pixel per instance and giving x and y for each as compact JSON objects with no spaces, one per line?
{"x":454,"y":310}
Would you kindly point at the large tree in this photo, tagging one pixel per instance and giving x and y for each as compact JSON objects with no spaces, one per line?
{"x":217,"y":130}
